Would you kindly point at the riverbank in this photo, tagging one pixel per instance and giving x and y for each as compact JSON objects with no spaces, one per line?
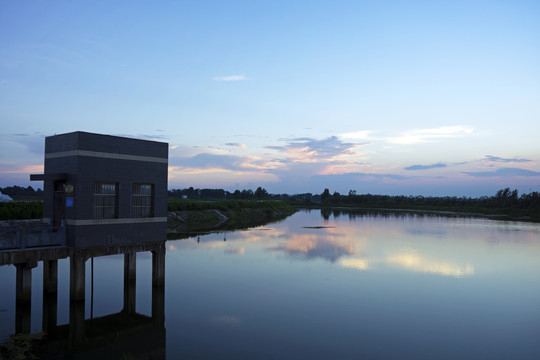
{"x":189,"y":218}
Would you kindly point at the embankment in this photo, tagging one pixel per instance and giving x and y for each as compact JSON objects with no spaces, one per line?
{"x":188,"y":218}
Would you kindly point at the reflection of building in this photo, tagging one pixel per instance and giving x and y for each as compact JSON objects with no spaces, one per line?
{"x":91,"y":180}
{"x":111,"y":336}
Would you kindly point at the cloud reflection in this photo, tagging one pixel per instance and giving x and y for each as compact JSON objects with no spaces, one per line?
{"x":315,"y":246}
{"x":354,"y":263}
{"x":415,"y":262}
{"x":235,"y":251}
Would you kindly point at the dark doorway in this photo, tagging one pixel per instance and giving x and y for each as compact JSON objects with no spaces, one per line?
{"x":59,"y":203}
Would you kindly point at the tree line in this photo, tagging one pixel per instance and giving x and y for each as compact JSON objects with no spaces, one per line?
{"x":22,"y":193}
{"x":247,"y":194}
{"x":504,"y":198}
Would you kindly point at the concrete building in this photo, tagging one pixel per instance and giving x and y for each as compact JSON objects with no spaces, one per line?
{"x":105,"y":189}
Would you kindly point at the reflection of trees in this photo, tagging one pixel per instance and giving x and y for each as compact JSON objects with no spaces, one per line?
{"x":325,"y":213}
{"x":354,"y":214}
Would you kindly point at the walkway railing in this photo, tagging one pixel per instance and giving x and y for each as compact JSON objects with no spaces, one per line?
{"x":36,"y":235}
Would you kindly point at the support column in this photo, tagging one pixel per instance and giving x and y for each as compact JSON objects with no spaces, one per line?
{"x":23,"y":298}
{"x":77,"y":262}
{"x":130,"y":272}
{"x":76,"y":277}
{"x":158,"y":284}
{"x":50,"y":296}
{"x":158,"y":266}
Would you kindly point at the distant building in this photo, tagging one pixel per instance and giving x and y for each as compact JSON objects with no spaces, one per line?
{"x":4,"y":198}
{"x":91,"y":180}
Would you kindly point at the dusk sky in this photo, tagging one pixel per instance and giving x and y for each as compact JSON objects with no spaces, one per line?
{"x":384,"y":97}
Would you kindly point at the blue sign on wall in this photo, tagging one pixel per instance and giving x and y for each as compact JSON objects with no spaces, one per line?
{"x":69,"y":201}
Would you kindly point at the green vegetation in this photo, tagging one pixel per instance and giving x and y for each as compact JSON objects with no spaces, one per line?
{"x":245,"y":206}
{"x":189,"y":217}
{"x":225,"y":205}
{"x":21,"y":210}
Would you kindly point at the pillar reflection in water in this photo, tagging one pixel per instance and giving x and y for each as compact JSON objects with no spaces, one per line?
{"x":23,"y":294}
{"x":133,"y":333}
{"x":50,"y":295}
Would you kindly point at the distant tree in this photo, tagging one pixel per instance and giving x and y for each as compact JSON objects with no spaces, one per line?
{"x":325,"y":196}
{"x":261,"y":193}
{"x":336,"y":197}
{"x":246,"y":194}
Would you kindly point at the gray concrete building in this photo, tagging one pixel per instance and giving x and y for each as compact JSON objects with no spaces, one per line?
{"x":105,"y":189}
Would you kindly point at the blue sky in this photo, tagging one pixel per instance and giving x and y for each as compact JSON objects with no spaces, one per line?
{"x":388,"y":97}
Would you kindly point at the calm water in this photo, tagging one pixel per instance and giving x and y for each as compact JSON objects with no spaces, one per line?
{"x":350,"y":286}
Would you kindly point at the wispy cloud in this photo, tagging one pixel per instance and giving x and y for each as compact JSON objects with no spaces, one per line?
{"x":351,"y":177}
{"x":425,"y":167}
{"x":208,"y":161}
{"x":32,"y":141}
{"x":503,"y":172}
{"x":500,"y":159}
{"x":240,"y":145}
{"x":419,"y":136}
{"x":309,"y":149}
{"x":410,"y":137}
{"x":7,"y":168}
{"x":143,"y":136}
{"x":358,"y":135}
{"x":231,"y":78}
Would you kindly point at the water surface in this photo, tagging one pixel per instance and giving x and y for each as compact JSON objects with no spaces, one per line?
{"x":346,"y":285}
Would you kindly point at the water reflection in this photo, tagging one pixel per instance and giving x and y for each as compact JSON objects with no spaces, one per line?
{"x":416,"y":262}
{"x":308,"y":287}
{"x":117,"y":335}
{"x":413,"y":287}
{"x":330,"y":247}
{"x":430,"y":244}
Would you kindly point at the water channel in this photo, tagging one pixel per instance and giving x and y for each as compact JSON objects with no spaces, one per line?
{"x":318,"y":285}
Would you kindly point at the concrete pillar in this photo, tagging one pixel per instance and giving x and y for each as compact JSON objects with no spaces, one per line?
{"x":50,"y":296}
{"x":23,"y":289}
{"x":158,"y":266}
{"x":23,"y":296}
{"x":50,"y":276}
{"x":77,"y":277}
{"x":130,"y":272}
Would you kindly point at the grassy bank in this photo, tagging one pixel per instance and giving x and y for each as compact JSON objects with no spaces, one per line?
{"x":191,"y":217}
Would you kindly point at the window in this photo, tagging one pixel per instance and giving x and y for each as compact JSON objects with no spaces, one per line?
{"x":142,"y":201}
{"x":105,"y":200}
